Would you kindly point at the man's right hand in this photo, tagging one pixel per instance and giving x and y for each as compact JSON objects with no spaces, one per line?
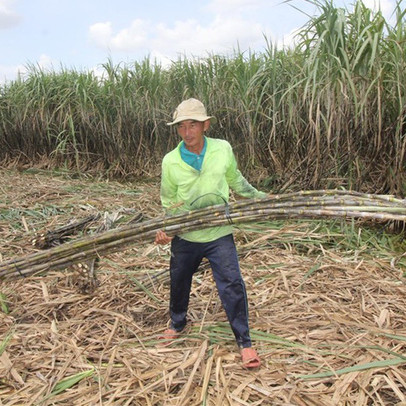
{"x":162,"y":238}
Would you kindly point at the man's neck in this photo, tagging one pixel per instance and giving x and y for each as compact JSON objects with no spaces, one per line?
{"x":197,"y":149}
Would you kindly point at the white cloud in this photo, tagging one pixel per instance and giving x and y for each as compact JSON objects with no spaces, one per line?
{"x":191,"y":38}
{"x":234,"y":23}
{"x":8,"y":17}
{"x":131,"y":38}
{"x":187,"y":37}
{"x":98,"y":71}
{"x":128,"y":39}
{"x":162,"y":59}
{"x":9,"y":73}
{"x":288,"y":40}
{"x":45,"y":62}
{"x":100,"y":34}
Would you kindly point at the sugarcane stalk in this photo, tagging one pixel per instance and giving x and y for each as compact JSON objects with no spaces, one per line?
{"x":305,"y":204}
{"x":58,"y":236}
{"x":249,"y":216}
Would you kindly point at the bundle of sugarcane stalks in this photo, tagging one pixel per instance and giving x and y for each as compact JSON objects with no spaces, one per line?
{"x":299,"y":205}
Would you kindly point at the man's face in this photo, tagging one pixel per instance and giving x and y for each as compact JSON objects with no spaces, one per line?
{"x":192,"y":133}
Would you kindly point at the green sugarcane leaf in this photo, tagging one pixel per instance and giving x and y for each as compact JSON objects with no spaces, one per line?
{"x":70,"y":381}
{"x":5,"y":341}
{"x":3,"y":303}
{"x":359,"y":367}
{"x":394,"y":336}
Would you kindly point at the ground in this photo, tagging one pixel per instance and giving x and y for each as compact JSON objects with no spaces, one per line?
{"x":329,"y":326}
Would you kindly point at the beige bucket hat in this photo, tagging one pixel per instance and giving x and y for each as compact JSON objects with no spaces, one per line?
{"x":191,"y":109}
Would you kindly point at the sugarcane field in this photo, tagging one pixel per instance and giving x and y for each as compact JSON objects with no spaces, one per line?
{"x":318,"y":131}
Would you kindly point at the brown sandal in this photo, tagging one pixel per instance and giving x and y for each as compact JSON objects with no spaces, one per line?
{"x":250,"y":358}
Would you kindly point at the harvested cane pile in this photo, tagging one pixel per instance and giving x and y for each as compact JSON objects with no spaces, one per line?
{"x":329,"y":324}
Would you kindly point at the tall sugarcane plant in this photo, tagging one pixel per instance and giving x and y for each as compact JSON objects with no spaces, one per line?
{"x":300,"y":205}
{"x":326,"y":112}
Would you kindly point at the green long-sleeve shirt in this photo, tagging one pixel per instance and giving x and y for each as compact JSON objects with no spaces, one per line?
{"x":180,"y":183}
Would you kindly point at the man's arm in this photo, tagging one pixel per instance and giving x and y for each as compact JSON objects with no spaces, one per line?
{"x":168,"y":197}
{"x":238,"y":183}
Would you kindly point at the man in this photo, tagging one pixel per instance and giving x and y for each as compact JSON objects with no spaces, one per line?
{"x":196,"y":174}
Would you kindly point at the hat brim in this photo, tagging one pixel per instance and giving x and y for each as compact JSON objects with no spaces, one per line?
{"x":195,"y":118}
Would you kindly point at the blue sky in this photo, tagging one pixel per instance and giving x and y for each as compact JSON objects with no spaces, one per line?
{"x":83,"y":34}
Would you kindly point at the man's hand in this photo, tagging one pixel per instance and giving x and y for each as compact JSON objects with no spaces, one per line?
{"x":162,"y":238}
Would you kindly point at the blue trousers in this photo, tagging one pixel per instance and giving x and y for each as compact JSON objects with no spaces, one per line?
{"x":186,"y":257}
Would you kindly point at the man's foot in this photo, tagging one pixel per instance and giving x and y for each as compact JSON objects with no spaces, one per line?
{"x":168,"y":336}
{"x":250,"y":358}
